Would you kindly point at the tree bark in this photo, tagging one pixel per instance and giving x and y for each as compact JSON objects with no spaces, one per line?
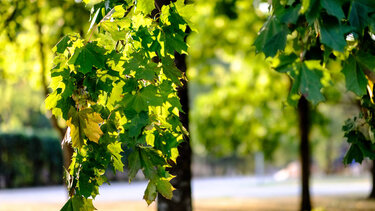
{"x":372,"y":194}
{"x":181,"y":199}
{"x":304,"y":127}
{"x":67,"y":148}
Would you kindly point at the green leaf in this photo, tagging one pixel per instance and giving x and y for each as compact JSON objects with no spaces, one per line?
{"x":150,"y":193}
{"x":310,"y":84}
{"x":63,"y":44}
{"x":147,"y":96}
{"x":77,"y":203}
{"x":366,"y":59}
{"x":145,"y":6}
{"x":290,"y":15}
{"x":165,"y":188}
{"x":87,"y":57}
{"x":354,"y":153}
{"x":173,"y":40}
{"x":313,"y":11}
{"x":354,"y":77}
{"x":333,"y":35}
{"x":333,"y":7}
{"x":136,"y":124}
{"x":134,"y":163}
{"x":286,"y":62}
{"x":171,"y":71}
{"x":115,"y":149}
{"x":358,"y":15}
{"x":271,"y":37}
{"x":150,"y":158}
{"x":87,"y":186}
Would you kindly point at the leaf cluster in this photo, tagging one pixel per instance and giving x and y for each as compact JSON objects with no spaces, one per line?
{"x":304,"y":36}
{"x":118,"y":93}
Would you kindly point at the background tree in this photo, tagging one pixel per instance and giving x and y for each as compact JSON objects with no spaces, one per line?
{"x":332,"y":30}
{"x":27,"y":36}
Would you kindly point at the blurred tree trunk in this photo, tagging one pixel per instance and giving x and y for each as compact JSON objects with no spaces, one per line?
{"x":67,"y":148}
{"x":304,"y":127}
{"x":181,"y":200}
{"x":372,"y":194}
{"x":329,"y":151}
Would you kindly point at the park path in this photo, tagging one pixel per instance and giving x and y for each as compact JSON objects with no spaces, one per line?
{"x":203,"y":188}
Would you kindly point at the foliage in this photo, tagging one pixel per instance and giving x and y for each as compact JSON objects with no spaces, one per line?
{"x":21,"y":59}
{"x":237,"y":103}
{"x":118,"y":90}
{"x":29,"y":160}
{"x":313,"y":33}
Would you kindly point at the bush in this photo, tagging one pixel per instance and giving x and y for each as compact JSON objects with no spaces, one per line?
{"x":29,"y":161}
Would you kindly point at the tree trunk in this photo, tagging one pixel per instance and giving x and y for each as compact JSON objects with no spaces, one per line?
{"x":372,"y":194}
{"x":304,"y":127}
{"x":181,"y":199}
{"x":67,"y":148}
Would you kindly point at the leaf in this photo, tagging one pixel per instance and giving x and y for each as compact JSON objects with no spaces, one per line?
{"x":150,"y":158}
{"x":115,"y":149}
{"x":313,"y":11}
{"x":63,"y":44}
{"x":165,"y":188}
{"x":171,"y":71}
{"x":358,"y":15}
{"x":310,"y":84}
{"x":333,"y":7}
{"x":290,"y":15}
{"x":93,"y":19}
{"x":333,"y":36}
{"x":366,"y":59}
{"x":87,"y":186}
{"x":77,"y":203}
{"x":84,"y":123}
{"x":354,"y":153}
{"x":354,"y":77}
{"x":134,"y":164}
{"x":150,"y":193}
{"x":147,"y":96}
{"x":271,"y":37}
{"x":173,"y":40}
{"x":76,"y":132}
{"x":90,"y":121}
{"x":286,"y":62}
{"x":145,"y":6}
{"x":136,"y":124}
{"x":87,"y":57}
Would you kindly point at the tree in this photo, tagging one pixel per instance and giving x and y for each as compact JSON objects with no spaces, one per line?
{"x":323,"y":31}
{"x":117,"y":90}
{"x":27,"y":34}
{"x":182,"y":197}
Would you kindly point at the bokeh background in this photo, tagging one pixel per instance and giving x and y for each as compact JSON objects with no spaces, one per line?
{"x":244,"y":135}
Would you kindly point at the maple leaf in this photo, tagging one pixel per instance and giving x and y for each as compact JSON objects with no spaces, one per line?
{"x":84,"y":123}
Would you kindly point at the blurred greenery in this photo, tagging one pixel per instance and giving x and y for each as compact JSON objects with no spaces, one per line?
{"x":29,"y":160}
{"x":238,"y":103}
{"x":28,"y":31}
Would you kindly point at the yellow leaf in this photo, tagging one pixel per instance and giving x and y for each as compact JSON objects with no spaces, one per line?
{"x":75,"y":132}
{"x":90,"y":121}
{"x":84,"y":123}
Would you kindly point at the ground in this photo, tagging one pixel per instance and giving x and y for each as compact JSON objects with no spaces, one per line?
{"x":210,"y":194}
{"x":330,"y":203}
